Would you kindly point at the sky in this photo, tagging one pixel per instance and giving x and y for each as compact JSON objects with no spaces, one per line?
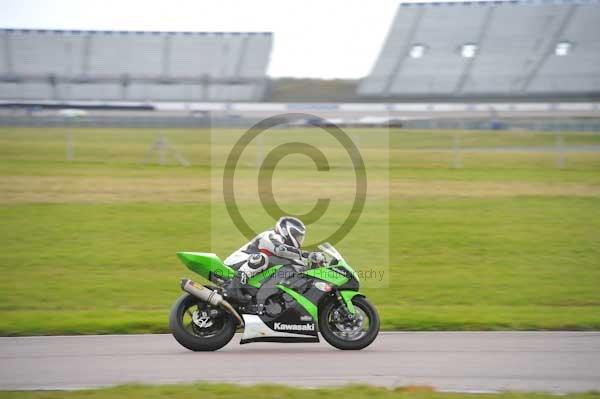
{"x":312,"y":38}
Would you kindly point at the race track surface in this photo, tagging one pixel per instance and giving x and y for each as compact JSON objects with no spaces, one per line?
{"x":487,"y":361}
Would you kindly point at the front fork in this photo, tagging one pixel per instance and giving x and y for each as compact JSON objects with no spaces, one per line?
{"x":345,"y":299}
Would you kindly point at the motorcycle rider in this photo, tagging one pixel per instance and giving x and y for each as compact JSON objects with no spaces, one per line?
{"x":284,"y":241}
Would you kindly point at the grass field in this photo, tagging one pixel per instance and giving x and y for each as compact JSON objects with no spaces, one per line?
{"x":505,"y":242}
{"x":217,"y":391}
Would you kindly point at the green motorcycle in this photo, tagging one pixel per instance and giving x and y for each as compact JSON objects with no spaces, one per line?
{"x":291,"y":302}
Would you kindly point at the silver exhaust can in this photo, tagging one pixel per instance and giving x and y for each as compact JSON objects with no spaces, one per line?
{"x":209,"y":296}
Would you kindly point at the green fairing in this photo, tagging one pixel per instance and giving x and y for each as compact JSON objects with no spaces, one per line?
{"x":256,"y":281}
{"x":327,"y":274}
{"x":310,"y":307}
{"x":206,"y":263}
{"x":347,"y":297}
{"x":349,"y":268}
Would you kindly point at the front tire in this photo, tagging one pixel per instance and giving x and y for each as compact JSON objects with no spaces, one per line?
{"x":207,"y":337}
{"x":343,"y":336}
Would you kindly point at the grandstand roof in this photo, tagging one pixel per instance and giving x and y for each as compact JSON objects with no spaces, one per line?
{"x":132,"y":32}
{"x":493,"y":2}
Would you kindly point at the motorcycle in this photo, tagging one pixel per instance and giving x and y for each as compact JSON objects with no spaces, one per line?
{"x":291,"y":301}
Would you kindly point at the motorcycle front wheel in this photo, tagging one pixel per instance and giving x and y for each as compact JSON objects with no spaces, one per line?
{"x":349,"y":334}
{"x":198,"y":326}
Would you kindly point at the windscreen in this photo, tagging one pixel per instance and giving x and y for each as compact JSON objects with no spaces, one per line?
{"x":331,"y":251}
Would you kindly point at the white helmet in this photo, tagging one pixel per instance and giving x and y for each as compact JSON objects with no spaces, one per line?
{"x":292,"y":230}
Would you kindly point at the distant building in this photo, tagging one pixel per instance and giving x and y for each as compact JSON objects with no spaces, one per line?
{"x":133,"y":66}
{"x":531,"y":49}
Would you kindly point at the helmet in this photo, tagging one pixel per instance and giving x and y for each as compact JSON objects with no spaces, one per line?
{"x":292,"y":230}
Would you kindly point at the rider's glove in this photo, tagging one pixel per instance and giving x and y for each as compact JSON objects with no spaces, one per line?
{"x":316,"y":259}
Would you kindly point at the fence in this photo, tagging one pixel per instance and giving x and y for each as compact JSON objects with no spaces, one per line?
{"x":430,"y":143}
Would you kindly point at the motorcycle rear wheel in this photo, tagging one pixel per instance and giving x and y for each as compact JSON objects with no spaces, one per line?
{"x":357,"y":337}
{"x":193,"y":337}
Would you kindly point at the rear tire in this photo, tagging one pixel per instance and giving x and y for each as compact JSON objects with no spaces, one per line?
{"x":331,"y":333}
{"x":195,"y":342}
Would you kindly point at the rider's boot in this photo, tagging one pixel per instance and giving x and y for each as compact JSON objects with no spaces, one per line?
{"x":234,"y":289}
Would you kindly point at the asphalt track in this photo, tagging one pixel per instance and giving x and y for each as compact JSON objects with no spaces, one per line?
{"x":452,"y":361}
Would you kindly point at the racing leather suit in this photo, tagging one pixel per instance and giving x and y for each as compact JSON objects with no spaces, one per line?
{"x":253,"y":257}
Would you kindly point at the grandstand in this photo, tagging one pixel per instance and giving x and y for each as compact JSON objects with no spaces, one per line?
{"x":531,"y":49}
{"x":133,"y":66}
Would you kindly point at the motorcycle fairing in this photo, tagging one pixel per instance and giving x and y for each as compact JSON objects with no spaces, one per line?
{"x":256,"y":281}
{"x":256,"y":330}
{"x":208,"y":265}
{"x":297,"y":322}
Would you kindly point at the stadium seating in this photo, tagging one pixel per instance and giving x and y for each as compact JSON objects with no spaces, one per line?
{"x":491,"y":49}
{"x":133,"y":66}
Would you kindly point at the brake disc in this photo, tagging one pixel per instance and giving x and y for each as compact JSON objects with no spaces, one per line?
{"x":349,"y":327}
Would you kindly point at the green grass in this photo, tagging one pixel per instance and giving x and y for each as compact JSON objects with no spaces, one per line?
{"x":215,"y":391}
{"x":507,"y":242}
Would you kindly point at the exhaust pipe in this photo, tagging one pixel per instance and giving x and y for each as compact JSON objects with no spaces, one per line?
{"x":210,"y":296}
